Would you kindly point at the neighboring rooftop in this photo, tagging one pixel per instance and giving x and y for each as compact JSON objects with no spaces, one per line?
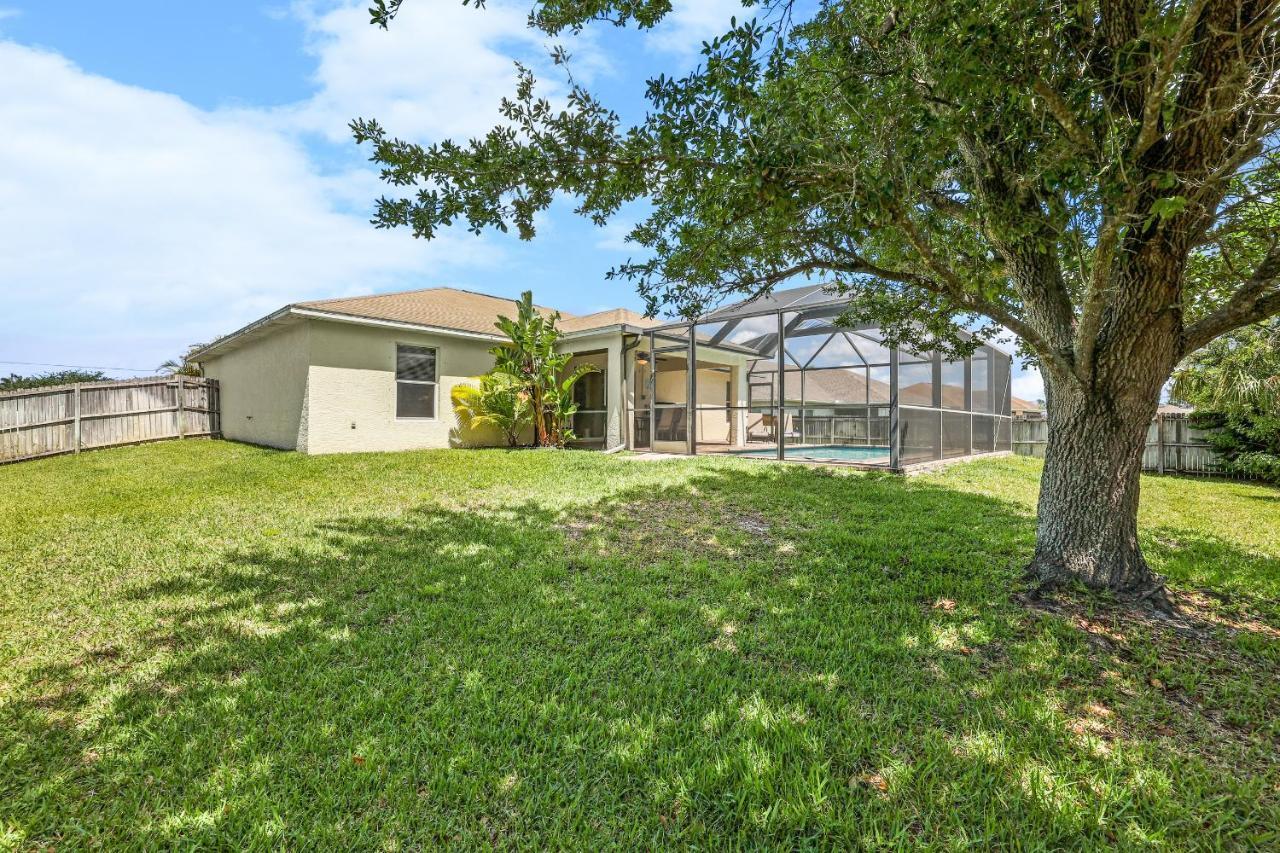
{"x":1020,"y":405}
{"x":604,"y":319}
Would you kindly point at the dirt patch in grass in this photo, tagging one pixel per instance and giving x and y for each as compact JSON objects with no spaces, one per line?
{"x":685,"y":524}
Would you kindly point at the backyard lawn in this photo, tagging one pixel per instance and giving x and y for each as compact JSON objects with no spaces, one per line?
{"x":208,"y":644}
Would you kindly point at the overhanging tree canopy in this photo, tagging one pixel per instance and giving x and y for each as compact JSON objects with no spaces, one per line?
{"x":1099,"y":177}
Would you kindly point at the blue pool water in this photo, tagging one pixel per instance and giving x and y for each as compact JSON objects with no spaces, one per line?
{"x":824,"y":453}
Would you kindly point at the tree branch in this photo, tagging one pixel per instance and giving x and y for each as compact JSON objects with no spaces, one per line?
{"x":1062,"y":114}
{"x":1153,"y":107}
{"x":952,"y":287}
{"x":1256,"y":300}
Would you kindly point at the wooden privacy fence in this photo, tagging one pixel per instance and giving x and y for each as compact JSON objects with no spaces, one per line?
{"x":1173,"y":445}
{"x":89,"y":415}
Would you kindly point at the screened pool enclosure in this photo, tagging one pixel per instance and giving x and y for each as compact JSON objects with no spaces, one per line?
{"x":776,"y":378}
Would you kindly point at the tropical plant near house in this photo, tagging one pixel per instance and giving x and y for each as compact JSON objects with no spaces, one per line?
{"x":1099,"y":177}
{"x":561,"y":405}
{"x":531,"y":363}
{"x":498,"y":401}
{"x":183,"y":366}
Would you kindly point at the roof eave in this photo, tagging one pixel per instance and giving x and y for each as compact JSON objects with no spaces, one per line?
{"x":355,"y":319}
{"x":618,"y":328}
{"x":290,"y":313}
{"x":221,"y":343}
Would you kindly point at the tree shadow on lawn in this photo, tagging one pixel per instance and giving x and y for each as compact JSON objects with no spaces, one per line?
{"x":757,"y":655}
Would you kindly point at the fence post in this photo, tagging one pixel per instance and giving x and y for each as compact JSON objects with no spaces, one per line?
{"x":75,"y":430}
{"x":1160,"y":442}
{"x":1180,"y":437}
{"x":182,"y":408}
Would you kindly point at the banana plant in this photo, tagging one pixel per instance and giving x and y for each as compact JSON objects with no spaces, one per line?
{"x":530,"y":360}
{"x":498,"y":401}
{"x":562,"y":407}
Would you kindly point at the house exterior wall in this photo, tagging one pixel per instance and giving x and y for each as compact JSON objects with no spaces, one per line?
{"x":263,"y":389}
{"x":351,"y":390}
{"x":716,"y":394}
{"x":323,"y":386}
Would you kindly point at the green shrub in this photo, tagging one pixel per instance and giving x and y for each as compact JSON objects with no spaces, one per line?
{"x":15,"y":382}
{"x":1249,"y":443}
{"x":498,"y":401}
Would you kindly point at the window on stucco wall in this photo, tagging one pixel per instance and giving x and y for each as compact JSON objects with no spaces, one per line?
{"x":415,"y":382}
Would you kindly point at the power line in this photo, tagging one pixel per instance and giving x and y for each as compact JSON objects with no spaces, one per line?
{"x":79,"y":366}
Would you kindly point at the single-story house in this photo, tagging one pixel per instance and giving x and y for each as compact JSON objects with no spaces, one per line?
{"x":774,"y":377}
{"x":376,"y":372}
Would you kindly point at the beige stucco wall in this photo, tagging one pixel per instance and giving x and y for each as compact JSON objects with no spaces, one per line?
{"x":263,"y":388}
{"x":323,"y":386}
{"x":351,"y":392}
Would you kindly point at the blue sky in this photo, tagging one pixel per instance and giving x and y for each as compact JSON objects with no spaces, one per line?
{"x":171,"y":171}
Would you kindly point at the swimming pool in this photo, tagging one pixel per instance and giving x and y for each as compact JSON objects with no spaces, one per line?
{"x":824,"y":453}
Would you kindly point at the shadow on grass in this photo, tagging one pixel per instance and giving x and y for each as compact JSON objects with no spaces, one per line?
{"x":780,"y":655}
{"x":1248,"y":580}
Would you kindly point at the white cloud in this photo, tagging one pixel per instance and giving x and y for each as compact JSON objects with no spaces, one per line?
{"x":130,"y":215}
{"x":691,"y":22}
{"x":133,"y":223}
{"x":1028,"y":384}
{"x":440,"y":70}
{"x":613,"y":237}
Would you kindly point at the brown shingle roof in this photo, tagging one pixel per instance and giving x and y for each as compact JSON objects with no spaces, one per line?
{"x":1021,"y":405}
{"x":603,"y":319}
{"x":843,"y":386}
{"x":464,"y":310}
{"x":443,"y":307}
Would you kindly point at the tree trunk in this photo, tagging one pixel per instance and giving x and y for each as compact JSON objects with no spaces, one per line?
{"x":1087,"y":522}
{"x":1087,"y":526}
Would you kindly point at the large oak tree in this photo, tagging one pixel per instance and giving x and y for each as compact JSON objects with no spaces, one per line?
{"x":1098,"y":176}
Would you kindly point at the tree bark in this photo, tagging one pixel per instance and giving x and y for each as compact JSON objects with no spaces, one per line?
{"x":1087,"y":526}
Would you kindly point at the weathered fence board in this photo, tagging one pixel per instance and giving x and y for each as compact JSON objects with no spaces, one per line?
{"x":1173,"y":445}
{"x":70,"y":418}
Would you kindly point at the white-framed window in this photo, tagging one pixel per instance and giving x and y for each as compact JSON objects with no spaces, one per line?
{"x":415,"y":382}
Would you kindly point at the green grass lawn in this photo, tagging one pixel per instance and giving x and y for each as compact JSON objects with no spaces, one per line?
{"x":207,"y":644}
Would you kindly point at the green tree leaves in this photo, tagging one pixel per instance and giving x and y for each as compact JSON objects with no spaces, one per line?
{"x":979,"y":156}
{"x":16,"y":382}
{"x":1237,"y":373}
